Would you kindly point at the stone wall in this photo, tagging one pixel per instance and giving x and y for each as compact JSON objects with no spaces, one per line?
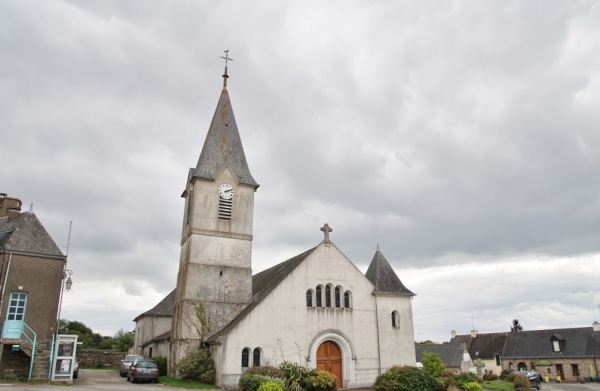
{"x":583,"y":365}
{"x":96,"y":358}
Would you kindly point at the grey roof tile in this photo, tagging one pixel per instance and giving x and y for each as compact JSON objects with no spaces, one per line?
{"x":25,"y":233}
{"x":578,"y":342}
{"x":223,"y":147}
{"x":164,"y":308}
{"x":385,"y":279}
{"x":451,"y":355}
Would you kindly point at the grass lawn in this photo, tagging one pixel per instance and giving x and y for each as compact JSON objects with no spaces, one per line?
{"x":497,"y":385}
{"x":171,"y":381}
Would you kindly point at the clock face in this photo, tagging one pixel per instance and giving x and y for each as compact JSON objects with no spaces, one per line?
{"x":226,"y":191}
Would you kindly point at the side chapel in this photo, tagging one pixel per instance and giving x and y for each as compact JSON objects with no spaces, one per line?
{"x":317,"y":308}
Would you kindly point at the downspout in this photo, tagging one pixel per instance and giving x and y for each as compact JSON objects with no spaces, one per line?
{"x":378,"y":338}
{"x":4,"y":282}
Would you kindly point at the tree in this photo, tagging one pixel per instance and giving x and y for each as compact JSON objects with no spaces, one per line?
{"x":123,"y":340}
{"x":516,"y":326}
{"x":88,"y":339}
{"x":433,"y":364}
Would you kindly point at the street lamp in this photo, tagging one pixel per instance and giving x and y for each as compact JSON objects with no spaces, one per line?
{"x":69,"y":282}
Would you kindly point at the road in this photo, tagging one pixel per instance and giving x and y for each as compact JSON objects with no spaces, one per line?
{"x":91,"y":379}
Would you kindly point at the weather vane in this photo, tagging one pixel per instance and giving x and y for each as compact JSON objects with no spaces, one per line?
{"x":226,"y":58}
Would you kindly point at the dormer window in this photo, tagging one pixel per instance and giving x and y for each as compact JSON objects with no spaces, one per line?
{"x":558,"y":343}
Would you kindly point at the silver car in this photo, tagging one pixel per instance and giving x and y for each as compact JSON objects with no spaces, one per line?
{"x":126,"y":363}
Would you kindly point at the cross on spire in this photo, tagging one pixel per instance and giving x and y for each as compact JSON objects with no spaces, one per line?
{"x":226,"y":58}
{"x":326,"y":230}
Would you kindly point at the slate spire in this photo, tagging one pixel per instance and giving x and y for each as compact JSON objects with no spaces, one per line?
{"x":385,"y":279}
{"x":223,"y":145}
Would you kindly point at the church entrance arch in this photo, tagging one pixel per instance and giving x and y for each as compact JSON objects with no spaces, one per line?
{"x":333,"y":352}
{"x":329,"y":358}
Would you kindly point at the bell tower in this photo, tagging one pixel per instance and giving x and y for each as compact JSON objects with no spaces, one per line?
{"x":215,"y":271}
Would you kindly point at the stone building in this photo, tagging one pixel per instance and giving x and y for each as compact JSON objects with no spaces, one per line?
{"x":567,"y":354}
{"x":317,"y":308}
{"x":32,"y":268}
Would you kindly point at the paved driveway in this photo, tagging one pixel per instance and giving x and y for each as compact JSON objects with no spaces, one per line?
{"x":92,"y":379}
{"x":569,"y":387}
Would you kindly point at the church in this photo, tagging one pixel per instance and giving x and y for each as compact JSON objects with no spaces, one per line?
{"x":316,"y":309}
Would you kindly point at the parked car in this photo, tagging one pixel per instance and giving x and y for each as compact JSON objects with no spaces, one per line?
{"x":535,"y":379}
{"x":76,"y":369}
{"x":143,"y":370}
{"x":126,"y":363}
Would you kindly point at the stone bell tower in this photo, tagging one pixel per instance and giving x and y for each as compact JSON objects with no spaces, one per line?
{"x":215,"y":271}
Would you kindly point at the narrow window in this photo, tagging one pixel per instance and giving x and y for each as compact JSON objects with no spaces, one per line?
{"x":347,"y":300}
{"x":395,"y":319}
{"x":309,"y":298}
{"x":328,"y":296}
{"x":150,"y":353}
{"x":575,"y":369}
{"x":319,"y":298}
{"x":521,"y":366}
{"x":256,"y":358}
{"x":337,"y":297}
{"x":497,"y":356}
{"x":245,"y":357}
{"x":510,"y":366}
{"x":188,"y":210}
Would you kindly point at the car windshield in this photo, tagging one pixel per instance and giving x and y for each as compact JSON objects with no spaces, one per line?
{"x":132,"y":358}
{"x":146,"y":364}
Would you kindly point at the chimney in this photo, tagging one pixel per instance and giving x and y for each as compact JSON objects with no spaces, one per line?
{"x":596,"y":326}
{"x":453,"y":334}
{"x":9,"y":206}
{"x":473,"y":333}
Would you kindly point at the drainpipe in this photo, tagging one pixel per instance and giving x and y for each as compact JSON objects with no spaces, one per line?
{"x":378,"y":339}
{"x":4,"y":282}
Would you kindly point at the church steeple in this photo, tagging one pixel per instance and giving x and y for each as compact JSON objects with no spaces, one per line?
{"x":385,"y":279}
{"x":215,"y":268}
{"x":223,"y":146}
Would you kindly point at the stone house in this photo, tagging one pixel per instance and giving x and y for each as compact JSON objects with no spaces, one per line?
{"x":153,"y":329}
{"x":32,"y":270}
{"x":456,"y":358}
{"x":568,"y":354}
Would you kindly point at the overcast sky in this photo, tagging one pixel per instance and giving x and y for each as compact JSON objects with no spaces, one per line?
{"x":463,"y":137}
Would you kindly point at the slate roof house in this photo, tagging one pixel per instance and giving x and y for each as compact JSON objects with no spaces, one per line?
{"x":32,"y":268}
{"x":317,"y":308}
{"x":568,"y":354}
{"x":455,"y":357}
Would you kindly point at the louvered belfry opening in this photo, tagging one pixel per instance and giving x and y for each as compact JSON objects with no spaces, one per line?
{"x":225,"y":208}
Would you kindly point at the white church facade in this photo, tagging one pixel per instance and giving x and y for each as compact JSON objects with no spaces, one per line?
{"x":317,"y":308}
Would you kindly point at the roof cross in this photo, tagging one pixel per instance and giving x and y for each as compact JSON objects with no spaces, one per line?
{"x":226,"y":58}
{"x":326,"y":230}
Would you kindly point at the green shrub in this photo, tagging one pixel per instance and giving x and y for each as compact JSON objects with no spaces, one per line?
{"x":490,"y":376}
{"x":270,"y":386}
{"x":251,"y":381}
{"x":197,"y":365}
{"x":510,"y":378}
{"x":406,"y":379}
{"x":521,"y":383}
{"x":504,"y":373}
{"x":161,"y":361}
{"x":433,"y":364}
{"x":318,"y":380}
{"x":472,"y":386}
{"x":464,"y":378}
{"x":294,"y":375}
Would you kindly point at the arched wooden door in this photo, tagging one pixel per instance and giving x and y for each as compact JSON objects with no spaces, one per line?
{"x":329,"y":358}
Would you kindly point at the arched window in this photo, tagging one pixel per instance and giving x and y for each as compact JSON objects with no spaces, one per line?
{"x":347,"y":299}
{"x":521,"y":366}
{"x":328,"y":296}
{"x":395,"y":319}
{"x":245,"y":357}
{"x":319,"y":296}
{"x":309,"y":298}
{"x":338,"y":299}
{"x":256,"y":357}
